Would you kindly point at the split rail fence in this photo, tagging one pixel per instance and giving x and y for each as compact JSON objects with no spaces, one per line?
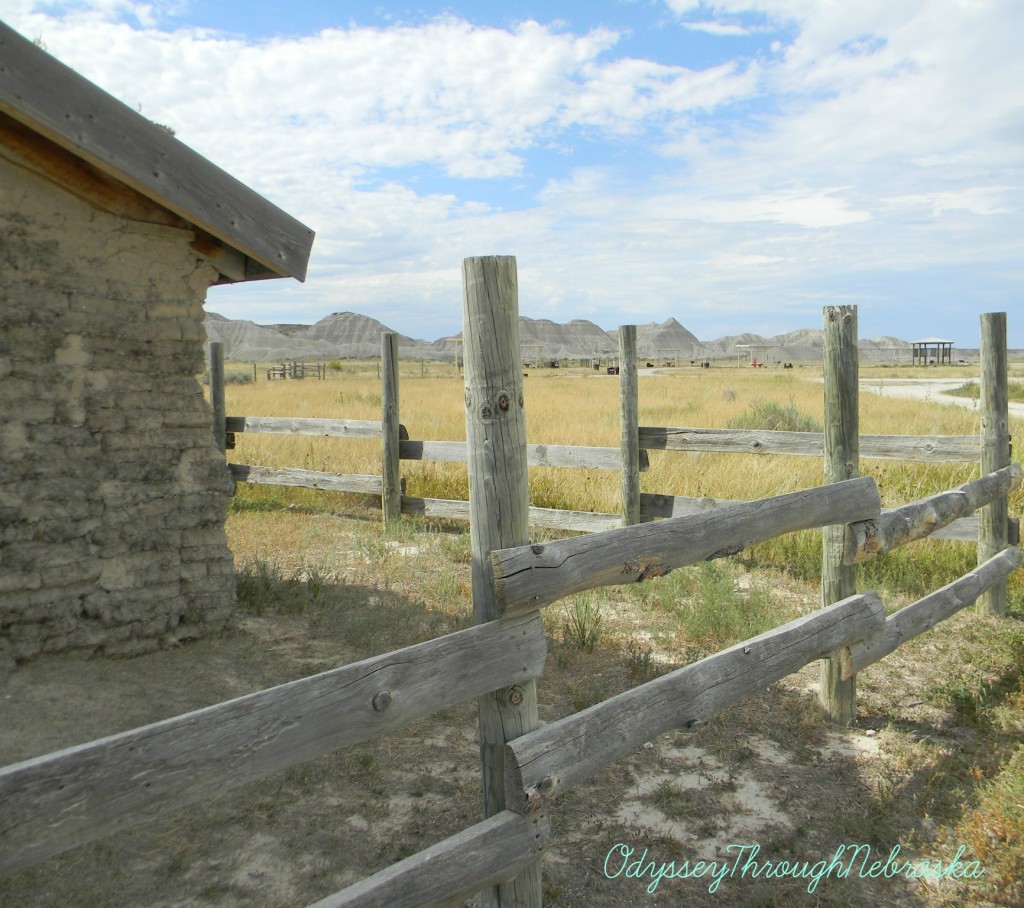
{"x":55,"y":802}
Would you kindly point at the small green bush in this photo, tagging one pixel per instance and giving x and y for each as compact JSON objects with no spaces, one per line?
{"x":770,"y":414}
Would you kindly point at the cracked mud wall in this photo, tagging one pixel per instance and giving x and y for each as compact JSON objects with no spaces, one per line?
{"x":112,"y":492}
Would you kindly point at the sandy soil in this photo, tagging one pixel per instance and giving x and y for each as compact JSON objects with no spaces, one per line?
{"x":766,"y":773}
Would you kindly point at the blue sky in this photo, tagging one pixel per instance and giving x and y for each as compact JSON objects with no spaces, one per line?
{"x":736,"y":165}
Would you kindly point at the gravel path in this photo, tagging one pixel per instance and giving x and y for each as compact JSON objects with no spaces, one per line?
{"x":934,"y":389}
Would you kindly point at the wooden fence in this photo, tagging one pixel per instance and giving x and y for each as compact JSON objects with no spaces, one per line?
{"x":55,"y":802}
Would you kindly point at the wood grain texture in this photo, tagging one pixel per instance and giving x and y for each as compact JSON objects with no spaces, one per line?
{"x":964,"y":529}
{"x":52,"y":99}
{"x":390,"y":443}
{"x":499,"y":509}
{"x":838,"y":694}
{"x":287,"y":425}
{"x":867,"y":539}
{"x":629,"y":415}
{"x":538,"y":455}
{"x":924,"y":614}
{"x":55,"y":802}
{"x":528,"y":577}
{"x":550,"y":761}
{"x":359,"y":484}
{"x":550,"y":518}
{"x":483,"y":855}
{"x":916,"y":448}
{"x":995,"y":450}
{"x":217,"y":395}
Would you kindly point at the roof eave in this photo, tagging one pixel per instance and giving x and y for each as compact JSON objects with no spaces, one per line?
{"x":45,"y":95}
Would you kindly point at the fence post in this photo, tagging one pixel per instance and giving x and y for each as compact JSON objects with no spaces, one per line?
{"x":499,"y":509}
{"x":217,"y":395}
{"x":995,"y":451}
{"x":392,"y":484}
{"x":842,"y":461}
{"x":629,"y":420}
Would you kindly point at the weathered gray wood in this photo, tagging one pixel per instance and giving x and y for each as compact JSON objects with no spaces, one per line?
{"x":533,"y":576}
{"x":548,"y":518}
{"x":287,"y":425}
{"x":660,"y":506}
{"x":217,"y":395}
{"x":44,"y":94}
{"x":499,"y":507}
{"x":307,"y":479}
{"x":485,"y":854}
{"x":390,"y":467}
{"x":838,"y":695}
{"x":867,"y":539}
{"x":924,"y":614}
{"x":575,"y":456}
{"x":995,"y":450}
{"x":917,"y":448}
{"x":548,"y":762}
{"x":55,"y":802}
{"x":629,"y":420}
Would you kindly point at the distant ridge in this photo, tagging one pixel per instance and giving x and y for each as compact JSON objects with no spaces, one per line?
{"x":348,"y":335}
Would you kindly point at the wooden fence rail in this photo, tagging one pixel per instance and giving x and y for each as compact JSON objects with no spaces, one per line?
{"x":918,"y":448}
{"x":867,"y":539}
{"x":533,"y":576}
{"x":546,"y":763}
{"x":55,"y":802}
{"x":73,"y":796}
{"x":924,"y":614}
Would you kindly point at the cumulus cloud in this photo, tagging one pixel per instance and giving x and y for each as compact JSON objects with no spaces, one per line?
{"x":822,"y":138}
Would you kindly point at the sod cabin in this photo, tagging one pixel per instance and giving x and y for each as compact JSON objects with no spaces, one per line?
{"x":113,"y":489}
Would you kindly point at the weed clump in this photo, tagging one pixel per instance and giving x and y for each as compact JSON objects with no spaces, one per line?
{"x":770,"y":414}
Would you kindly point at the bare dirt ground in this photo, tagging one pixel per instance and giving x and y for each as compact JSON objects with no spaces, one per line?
{"x":767,"y":773}
{"x":930,"y":389}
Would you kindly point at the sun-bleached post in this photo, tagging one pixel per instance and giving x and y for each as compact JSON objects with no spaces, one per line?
{"x":629,"y":422}
{"x":499,"y":509}
{"x":842,"y":461}
{"x":392,"y":484}
{"x":993,"y":534}
{"x":217,"y":395}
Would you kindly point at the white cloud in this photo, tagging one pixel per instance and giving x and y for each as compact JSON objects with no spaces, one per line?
{"x":873,"y":136}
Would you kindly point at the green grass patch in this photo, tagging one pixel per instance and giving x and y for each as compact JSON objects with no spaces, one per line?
{"x":770,"y":414}
{"x":972,"y":390}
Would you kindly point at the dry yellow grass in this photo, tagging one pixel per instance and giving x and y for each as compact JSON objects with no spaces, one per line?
{"x":575,"y":408}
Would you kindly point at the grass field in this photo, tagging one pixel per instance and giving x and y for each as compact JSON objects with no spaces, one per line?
{"x":934,"y":762}
{"x":286,"y":553}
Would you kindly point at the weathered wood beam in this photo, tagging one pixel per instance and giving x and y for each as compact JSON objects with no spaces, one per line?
{"x":548,"y":518}
{"x":924,"y":614}
{"x":551,"y":760}
{"x":482,"y":855}
{"x":499,"y":504}
{"x":359,"y":484}
{"x":995,"y":450}
{"x":533,"y":576}
{"x":574,"y":456}
{"x":965,"y":529}
{"x":920,"y":448}
{"x":838,"y":695}
{"x":629,"y":416}
{"x":55,"y":802}
{"x":59,"y":104}
{"x":287,"y":425}
{"x":391,"y":498}
{"x":867,"y":539}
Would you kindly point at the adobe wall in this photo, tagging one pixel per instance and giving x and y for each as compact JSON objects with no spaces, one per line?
{"x":112,"y":492}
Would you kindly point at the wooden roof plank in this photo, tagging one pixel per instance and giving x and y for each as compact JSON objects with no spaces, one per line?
{"x":49,"y":97}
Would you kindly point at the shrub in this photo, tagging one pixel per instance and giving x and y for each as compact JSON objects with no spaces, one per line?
{"x":769,"y":414}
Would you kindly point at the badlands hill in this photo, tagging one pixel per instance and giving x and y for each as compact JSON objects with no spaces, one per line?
{"x":348,"y":335}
